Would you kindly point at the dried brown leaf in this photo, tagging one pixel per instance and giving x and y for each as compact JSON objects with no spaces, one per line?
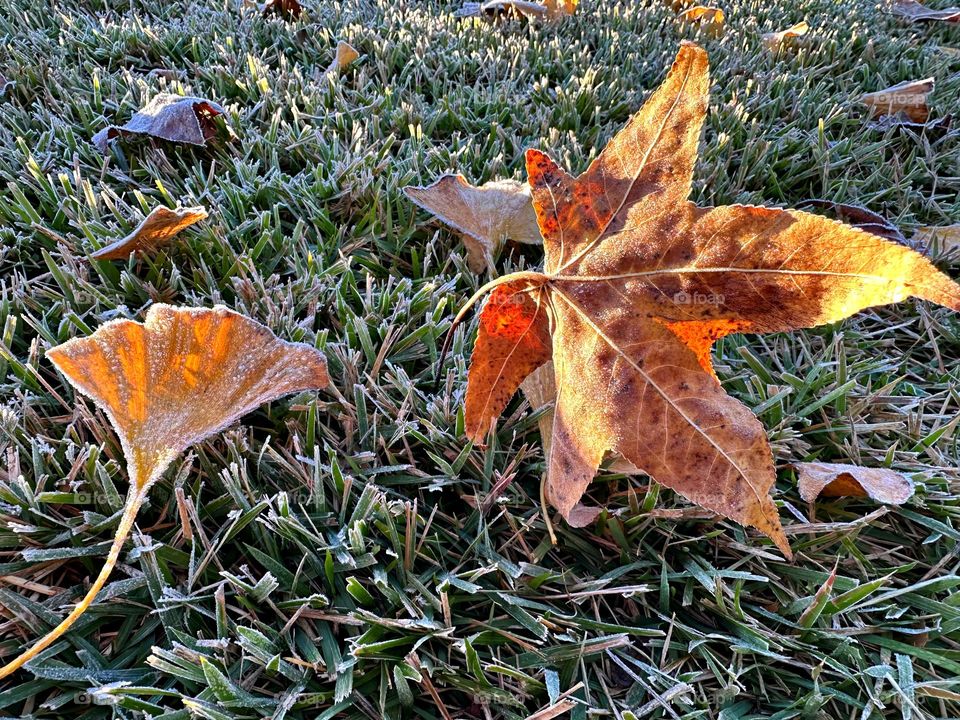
{"x":639,"y":282}
{"x":907,"y":99}
{"x":283,"y":8}
{"x":345,"y":54}
{"x":785,"y":38}
{"x":485,"y":215}
{"x":157,"y":229}
{"x":168,"y":117}
{"x":838,"y":480}
{"x":173,"y":381}
{"x":944,"y":237}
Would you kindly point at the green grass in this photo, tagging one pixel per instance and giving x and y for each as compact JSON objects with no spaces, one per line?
{"x":333,"y":563}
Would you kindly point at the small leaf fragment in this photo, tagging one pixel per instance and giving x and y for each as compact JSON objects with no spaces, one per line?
{"x":485,"y":215}
{"x":711,"y":18}
{"x":907,"y":99}
{"x":344,"y":55}
{"x":944,"y":237}
{"x":168,"y":117}
{"x":819,"y":602}
{"x":156,"y":229}
{"x":785,"y":38}
{"x":838,"y":480}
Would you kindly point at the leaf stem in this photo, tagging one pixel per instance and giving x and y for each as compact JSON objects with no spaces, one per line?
{"x":530,"y":275}
{"x":135,"y":499}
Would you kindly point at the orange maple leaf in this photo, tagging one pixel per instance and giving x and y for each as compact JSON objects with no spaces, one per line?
{"x":639,"y":282}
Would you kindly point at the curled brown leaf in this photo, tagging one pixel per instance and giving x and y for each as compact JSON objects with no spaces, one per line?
{"x":785,"y":38}
{"x":838,"y":480}
{"x":175,"y":118}
{"x":915,"y":11}
{"x":486,"y":216}
{"x":156,"y":229}
{"x":907,"y":99}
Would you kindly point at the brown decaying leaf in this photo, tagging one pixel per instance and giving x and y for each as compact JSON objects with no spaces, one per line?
{"x":944,"y":237}
{"x":157,"y":229}
{"x":907,"y":99}
{"x":168,"y":117}
{"x":344,"y":55}
{"x":637,"y":285}
{"x":785,"y":38}
{"x":916,"y":12}
{"x":171,"y":382}
{"x":837,"y":480}
{"x":485,"y":215}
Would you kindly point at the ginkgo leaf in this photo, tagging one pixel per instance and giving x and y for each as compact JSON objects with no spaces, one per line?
{"x":639,"y":282}
{"x":907,"y":99}
{"x":168,"y":117}
{"x":166,"y":384}
{"x":917,"y":12}
{"x":837,"y":480}
{"x":485,"y":215}
{"x":785,"y":38}
{"x":344,"y":55}
{"x":157,"y":229}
